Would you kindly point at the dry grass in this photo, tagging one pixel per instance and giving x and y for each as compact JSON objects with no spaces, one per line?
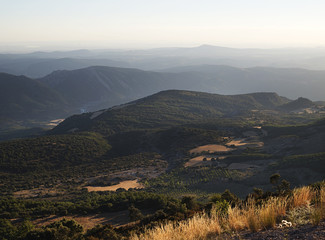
{"x":198,"y":227}
{"x":272,"y":210}
{"x":236,"y":219}
{"x":301,"y":197}
{"x":202,"y":227}
{"x":251,"y":216}
{"x":254,"y":218}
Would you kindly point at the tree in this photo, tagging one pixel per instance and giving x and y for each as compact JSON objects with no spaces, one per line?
{"x":24,"y":229}
{"x":274,"y":179}
{"x":283,"y":187}
{"x":105,"y":232}
{"x":189,"y":201}
{"x":230,"y":197}
{"x":60,"y":230}
{"x":135,"y":213}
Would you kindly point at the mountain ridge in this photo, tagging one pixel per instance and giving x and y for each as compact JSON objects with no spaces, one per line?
{"x":22,"y":97}
{"x":171,"y":108}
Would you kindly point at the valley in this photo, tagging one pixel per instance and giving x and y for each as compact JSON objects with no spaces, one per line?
{"x":131,"y":165}
{"x":162,"y":120}
{"x":173,"y":141}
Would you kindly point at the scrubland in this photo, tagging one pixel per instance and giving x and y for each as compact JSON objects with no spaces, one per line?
{"x":302,"y":205}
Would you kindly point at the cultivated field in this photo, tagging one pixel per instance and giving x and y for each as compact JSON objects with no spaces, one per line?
{"x":125,"y":184}
{"x":210,"y":148}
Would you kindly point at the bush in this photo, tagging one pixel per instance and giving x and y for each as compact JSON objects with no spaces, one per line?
{"x":134,"y":213}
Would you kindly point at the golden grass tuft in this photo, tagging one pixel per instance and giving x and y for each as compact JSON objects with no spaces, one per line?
{"x":303,"y":206}
{"x":236,"y":219}
{"x":266,"y":215}
{"x":302,"y":197}
{"x":252,"y":216}
{"x":198,"y":227}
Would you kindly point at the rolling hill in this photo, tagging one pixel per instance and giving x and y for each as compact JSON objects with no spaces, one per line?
{"x":40,"y":65}
{"x":171,"y":108}
{"x":67,"y":92}
{"x":141,"y":137}
{"x":24,"y":98}
{"x":98,"y":87}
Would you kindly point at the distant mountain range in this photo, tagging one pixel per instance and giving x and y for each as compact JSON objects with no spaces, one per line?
{"x":39,"y":64}
{"x":39,"y":67}
{"x":289,"y":82}
{"x":93,"y":88}
{"x":63,"y":93}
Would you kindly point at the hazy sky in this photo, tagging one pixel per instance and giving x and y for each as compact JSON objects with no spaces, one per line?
{"x":64,"y":24}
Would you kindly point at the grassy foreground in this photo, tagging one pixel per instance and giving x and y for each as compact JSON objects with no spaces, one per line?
{"x":303,"y":205}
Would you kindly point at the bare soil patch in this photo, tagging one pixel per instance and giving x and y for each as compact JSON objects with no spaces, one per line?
{"x":247,"y":142}
{"x":211,"y":148}
{"x":198,"y":161}
{"x":195,"y":161}
{"x":125,"y":184}
{"x":237,"y":142}
{"x":55,"y":122}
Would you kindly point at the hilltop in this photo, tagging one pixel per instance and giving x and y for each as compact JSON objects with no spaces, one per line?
{"x":176,"y":107}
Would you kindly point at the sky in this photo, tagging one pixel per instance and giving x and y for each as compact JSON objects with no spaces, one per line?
{"x":74,"y":24}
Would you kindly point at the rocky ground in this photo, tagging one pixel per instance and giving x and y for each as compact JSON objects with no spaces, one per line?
{"x":306,"y":232}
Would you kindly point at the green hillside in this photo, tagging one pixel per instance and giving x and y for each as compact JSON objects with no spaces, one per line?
{"x":25,"y":98}
{"x":170,"y":108}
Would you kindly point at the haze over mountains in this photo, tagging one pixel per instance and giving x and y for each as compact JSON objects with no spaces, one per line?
{"x":39,"y":64}
{"x":59,"y":84}
{"x":119,"y":120}
{"x":183,"y":130}
{"x":63,"y":93}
